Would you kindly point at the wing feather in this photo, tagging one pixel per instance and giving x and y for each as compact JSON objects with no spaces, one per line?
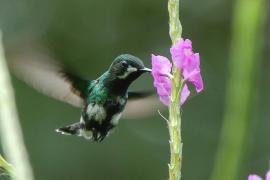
{"x":141,"y":105}
{"x":38,"y":69}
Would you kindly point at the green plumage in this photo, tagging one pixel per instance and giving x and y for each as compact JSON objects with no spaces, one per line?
{"x":105,"y":99}
{"x":102,"y":100}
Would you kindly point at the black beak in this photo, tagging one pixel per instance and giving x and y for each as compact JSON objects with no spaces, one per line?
{"x":146,"y":70}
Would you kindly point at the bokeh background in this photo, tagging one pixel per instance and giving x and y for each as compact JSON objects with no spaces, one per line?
{"x":87,"y":35}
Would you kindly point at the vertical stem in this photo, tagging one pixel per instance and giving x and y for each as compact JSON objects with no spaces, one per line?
{"x":10,"y":131}
{"x":245,"y":47}
{"x":176,"y":144}
{"x":174,"y":123}
{"x":174,"y":22}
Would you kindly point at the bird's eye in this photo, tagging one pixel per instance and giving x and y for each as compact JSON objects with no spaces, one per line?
{"x":124,"y":64}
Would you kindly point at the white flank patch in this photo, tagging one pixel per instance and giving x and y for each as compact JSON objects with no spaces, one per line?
{"x":96,"y":112}
{"x":121,"y":100}
{"x":129,"y":71}
{"x":115,"y":119}
{"x":86,"y":134}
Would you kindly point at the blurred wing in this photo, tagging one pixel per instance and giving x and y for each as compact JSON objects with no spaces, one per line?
{"x":38,"y":70}
{"x":141,"y":104}
{"x":139,"y":95}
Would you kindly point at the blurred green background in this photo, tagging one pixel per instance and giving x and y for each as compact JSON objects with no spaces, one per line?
{"x":87,"y":35}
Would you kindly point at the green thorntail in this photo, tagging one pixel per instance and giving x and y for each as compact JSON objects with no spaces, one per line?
{"x":102,"y":100}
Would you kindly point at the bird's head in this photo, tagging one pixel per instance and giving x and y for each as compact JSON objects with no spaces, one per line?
{"x":127,"y":67}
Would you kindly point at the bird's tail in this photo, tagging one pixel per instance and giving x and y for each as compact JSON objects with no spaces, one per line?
{"x":73,"y":129}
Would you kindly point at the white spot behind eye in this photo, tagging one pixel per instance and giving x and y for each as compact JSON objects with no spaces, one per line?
{"x":129,"y":70}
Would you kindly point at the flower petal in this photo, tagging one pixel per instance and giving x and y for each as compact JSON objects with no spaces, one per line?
{"x":165,"y":100}
{"x":163,"y":88}
{"x":191,"y":72}
{"x":181,"y":52}
{"x":267,"y":175}
{"x":196,"y":80}
{"x":161,"y":68}
{"x":184,"y":59}
{"x":160,"y":65}
{"x":188,"y":62}
{"x":184,"y":94}
{"x":254,"y":177}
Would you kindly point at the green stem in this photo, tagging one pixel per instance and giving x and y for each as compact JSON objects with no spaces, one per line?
{"x":174,"y":22}
{"x":10,"y":130}
{"x":245,"y":47}
{"x":174,"y":123}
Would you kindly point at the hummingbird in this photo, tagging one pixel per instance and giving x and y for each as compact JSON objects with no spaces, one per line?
{"x":102,"y":100}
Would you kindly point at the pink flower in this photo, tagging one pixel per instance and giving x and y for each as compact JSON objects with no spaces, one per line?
{"x":184,"y":94}
{"x":268,"y":175}
{"x":161,"y":69}
{"x":256,"y":177}
{"x":161,"y":65}
{"x":188,"y":62}
{"x":182,"y":53}
{"x":185,"y":60}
